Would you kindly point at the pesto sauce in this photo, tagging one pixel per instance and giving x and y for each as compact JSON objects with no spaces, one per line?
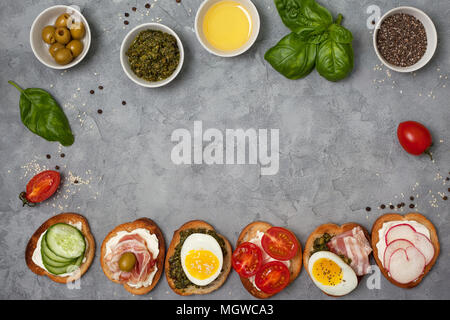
{"x":154,"y":55}
{"x":176,"y":272}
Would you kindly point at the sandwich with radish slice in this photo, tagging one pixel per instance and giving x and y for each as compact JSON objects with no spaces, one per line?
{"x":405,"y":247}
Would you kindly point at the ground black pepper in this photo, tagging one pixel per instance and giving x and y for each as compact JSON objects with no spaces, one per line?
{"x":62,"y":155}
{"x":411,"y":198}
{"x":124,"y":102}
{"x":126,"y":22}
{"x":383,"y":206}
{"x":99,"y":111}
{"x":402,"y":40}
{"x":134,"y":8}
{"x":147,"y":5}
{"x":391,"y":206}
{"x":92,"y":92}
{"x":368,"y":209}
{"x":445,"y":198}
{"x":100,"y":87}
{"x":48,"y":156}
{"x":56,"y":167}
{"x":411,"y":205}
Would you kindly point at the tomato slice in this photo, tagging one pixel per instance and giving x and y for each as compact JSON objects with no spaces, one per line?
{"x":280,"y":243}
{"x":272,"y":277}
{"x":247,"y":259}
{"x":42,"y":186}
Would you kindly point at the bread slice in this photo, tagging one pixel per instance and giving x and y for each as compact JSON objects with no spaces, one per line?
{"x":62,"y":218}
{"x":152,"y":227}
{"x":333,"y":230}
{"x":407,"y":217}
{"x":248,"y":233}
{"x":226,"y":266}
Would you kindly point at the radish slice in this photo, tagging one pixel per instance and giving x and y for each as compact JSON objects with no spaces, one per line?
{"x":406,"y":265}
{"x":424,"y":245}
{"x":400,"y":231}
{"x":392,"y":247}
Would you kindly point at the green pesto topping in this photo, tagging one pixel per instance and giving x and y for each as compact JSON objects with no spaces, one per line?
{"x":154,"y":55}
{"x":176,"y":272}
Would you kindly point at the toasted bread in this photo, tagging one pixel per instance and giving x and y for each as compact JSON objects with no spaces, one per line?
{"x":226,"y":267}
{"x":407,"y":217}
{"x":153,"y":228}
{"x":62,"y":218}
{"x":333,"y":230}
{"x":248,"y":233}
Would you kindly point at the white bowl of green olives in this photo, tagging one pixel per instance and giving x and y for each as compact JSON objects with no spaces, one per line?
{"x":60,"y":37}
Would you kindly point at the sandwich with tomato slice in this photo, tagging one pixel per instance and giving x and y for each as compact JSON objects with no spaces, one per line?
{"x":267,"y":258}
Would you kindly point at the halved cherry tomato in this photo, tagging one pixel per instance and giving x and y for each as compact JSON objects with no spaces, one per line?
{"x":41,"y":187}
{"x":272,"y":277}
{"x":414,"y":138}
{"x":247,"y":259}
{"x":280,"y":243}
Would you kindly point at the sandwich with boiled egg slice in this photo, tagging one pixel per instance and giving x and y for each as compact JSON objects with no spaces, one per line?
{"x":198,"y":260}
{"x":337,"y":257}
{"x":132,"y":254}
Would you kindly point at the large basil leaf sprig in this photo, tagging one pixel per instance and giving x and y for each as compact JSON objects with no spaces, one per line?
{"x":315,"y":37}
{"x":42,"y":115}
{"x":292,"y":57}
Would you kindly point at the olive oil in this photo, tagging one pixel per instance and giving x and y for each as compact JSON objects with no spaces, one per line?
{"x":227,"y":25}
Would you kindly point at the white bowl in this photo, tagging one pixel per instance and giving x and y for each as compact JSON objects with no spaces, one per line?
{"x":430,"y":29}
{"x":204,"y":7}
{"x":40,"y":48}
{"x":126,"y":43}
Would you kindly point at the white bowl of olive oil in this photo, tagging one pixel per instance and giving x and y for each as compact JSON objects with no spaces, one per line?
{"x":227,"y":28}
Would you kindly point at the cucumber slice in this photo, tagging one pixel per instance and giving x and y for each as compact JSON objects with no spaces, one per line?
{"x":67,"y":269}
{"x":53,"y":263}
{"x":65,"y":241}
{"x":50,"y":254}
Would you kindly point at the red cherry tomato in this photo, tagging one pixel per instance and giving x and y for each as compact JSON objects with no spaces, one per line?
{"x":280,"y":243}
{"x":272,"y":277}
{"x":414,"y":137}
{"x":41,"y":187}
{"x":247,"y":259}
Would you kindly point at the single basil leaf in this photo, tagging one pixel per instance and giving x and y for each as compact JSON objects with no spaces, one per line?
{"x":340,"y":34}
{"x":43,"y":116}
{"x":297,"y":14}
{"x":334,"y":61}
{"x":292,"y":57}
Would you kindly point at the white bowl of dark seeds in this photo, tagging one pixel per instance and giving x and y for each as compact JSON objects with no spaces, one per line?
{"x":405,"y":39}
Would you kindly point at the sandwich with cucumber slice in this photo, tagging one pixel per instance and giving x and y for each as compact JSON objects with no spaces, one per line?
{"x":62,"y":248}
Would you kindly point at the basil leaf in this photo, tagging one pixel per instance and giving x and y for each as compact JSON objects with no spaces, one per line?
{"x":334,"y":60}
{"x":303,"y":15}
{"x":292,"y":57}
{"x":340,"y":34}
{"x":43,"y":116}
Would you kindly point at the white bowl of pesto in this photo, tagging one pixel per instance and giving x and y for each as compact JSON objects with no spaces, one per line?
{"x":128,"y":41}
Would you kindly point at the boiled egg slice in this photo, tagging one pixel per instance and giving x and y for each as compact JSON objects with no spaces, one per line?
{"x":201,"y":258}
{"x":331,"y":274}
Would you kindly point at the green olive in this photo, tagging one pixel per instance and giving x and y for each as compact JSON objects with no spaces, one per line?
{"x":55,"y":47}
{"x":63,"y":56}
{"x":62,"y":20}
{"x":77,"y":30}
{"x":127,"y":262}
{"x":62,"y":35}
{"x":76,"y":46}
{"x":48,"y":34}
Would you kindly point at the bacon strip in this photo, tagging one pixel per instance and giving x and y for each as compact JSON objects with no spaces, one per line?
{"x":354,"y":245}
{"x":145,"y":263}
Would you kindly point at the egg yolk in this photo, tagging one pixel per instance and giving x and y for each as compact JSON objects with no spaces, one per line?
{"x":201,"y":264}
{"x":327,"y":272}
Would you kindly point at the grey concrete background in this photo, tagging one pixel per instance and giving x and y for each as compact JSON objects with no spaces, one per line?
{"x":339,"y":152}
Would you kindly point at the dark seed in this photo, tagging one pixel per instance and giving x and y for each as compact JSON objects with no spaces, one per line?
{"x":447,"y":178}
{"x":147,"y":5}
{"x":368,"y":209}
{"x":56,"y":167}
{"x":62,"y":155}
{"x":99,"y":111}
{"x":76,"y":181}
{"x":383,"y":206}
{"x":178,"y":1}
{"x":100,"y":87}
{"x":391,"y":206}
{"x":92,"y":92}
{"x":134,"y":8}
{"x":48,"y":156}
{"x":126,"y":22}
{"x":445,"y":198}
{"x":403,"y":204}
{"x":399,"y":205}
{"x":411,"y":205}
{"x":127,"y":14}
{"x":124,"y":102}
{"x":411,"y":198}
{"x":448,"y":189}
